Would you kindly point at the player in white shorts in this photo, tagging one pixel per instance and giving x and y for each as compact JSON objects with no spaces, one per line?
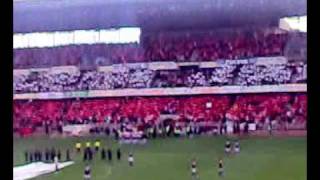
{"x":236,"y":147}
{"x":130,"y":159}
{"x":194,"y":172}
{"x":227,"y":147}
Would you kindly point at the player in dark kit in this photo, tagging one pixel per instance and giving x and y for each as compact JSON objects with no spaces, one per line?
{"x":194,"y":172}
{"x":87,"y":172}
{"x":220,"y":168}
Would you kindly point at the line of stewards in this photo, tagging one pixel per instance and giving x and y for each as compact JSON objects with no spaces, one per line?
{"x":109,"y":152}
{"x":46,"y":156}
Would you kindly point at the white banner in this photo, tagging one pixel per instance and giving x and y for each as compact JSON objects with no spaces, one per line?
{"x":36,"y":169}
{"x":77,"y":130}
{"x":167,"y":91}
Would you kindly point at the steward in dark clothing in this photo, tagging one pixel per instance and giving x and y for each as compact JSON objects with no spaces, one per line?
{"x":40,"y":156}
{"x":118,"y":154}
{"x":109,"y":154}
{"x":31,"y":157}
{"x":103,"y":154}
{"x":68,"y":155}
{"x":90,"y":153}
{"x":85,"y":154}
{"x":35,"y":155}
{"x":53,"y":154}
{"x":47,"y":154}
{"x":59,"y":155}
{"x":26,"y":156}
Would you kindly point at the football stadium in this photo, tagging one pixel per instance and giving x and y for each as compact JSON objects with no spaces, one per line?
{"x":160,"y":90}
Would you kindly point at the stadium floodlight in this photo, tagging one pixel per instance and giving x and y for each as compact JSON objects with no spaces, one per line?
{"x":296,"y":23}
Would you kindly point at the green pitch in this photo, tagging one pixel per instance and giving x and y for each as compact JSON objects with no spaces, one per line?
{"x":169,"y":159}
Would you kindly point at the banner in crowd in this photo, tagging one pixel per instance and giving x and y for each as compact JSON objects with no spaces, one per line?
{"x":168,"y":65}
{"x":169,"y":116}
{"x":167,"y":91}
{"x":77,"y":130}
{"x":163,"y":65}
{"x":63,"y":69}
{"x":271,"y":60}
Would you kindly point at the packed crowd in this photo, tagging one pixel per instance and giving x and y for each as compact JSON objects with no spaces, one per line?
{"x":208,"y":47}
{"x":254,"y":108}
{"x":124,"y":77}
{"x":180,"y":46}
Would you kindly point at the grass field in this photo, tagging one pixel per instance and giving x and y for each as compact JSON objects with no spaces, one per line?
{"x":281,"y":158}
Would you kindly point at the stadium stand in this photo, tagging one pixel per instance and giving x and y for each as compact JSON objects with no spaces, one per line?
{"x":125,"y":77}
{"x":180,"y":47}
{"x":147,"y":110}
{"x":130,"y":66}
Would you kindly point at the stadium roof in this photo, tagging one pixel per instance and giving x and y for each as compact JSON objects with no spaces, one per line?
{"x":63,"y":15}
